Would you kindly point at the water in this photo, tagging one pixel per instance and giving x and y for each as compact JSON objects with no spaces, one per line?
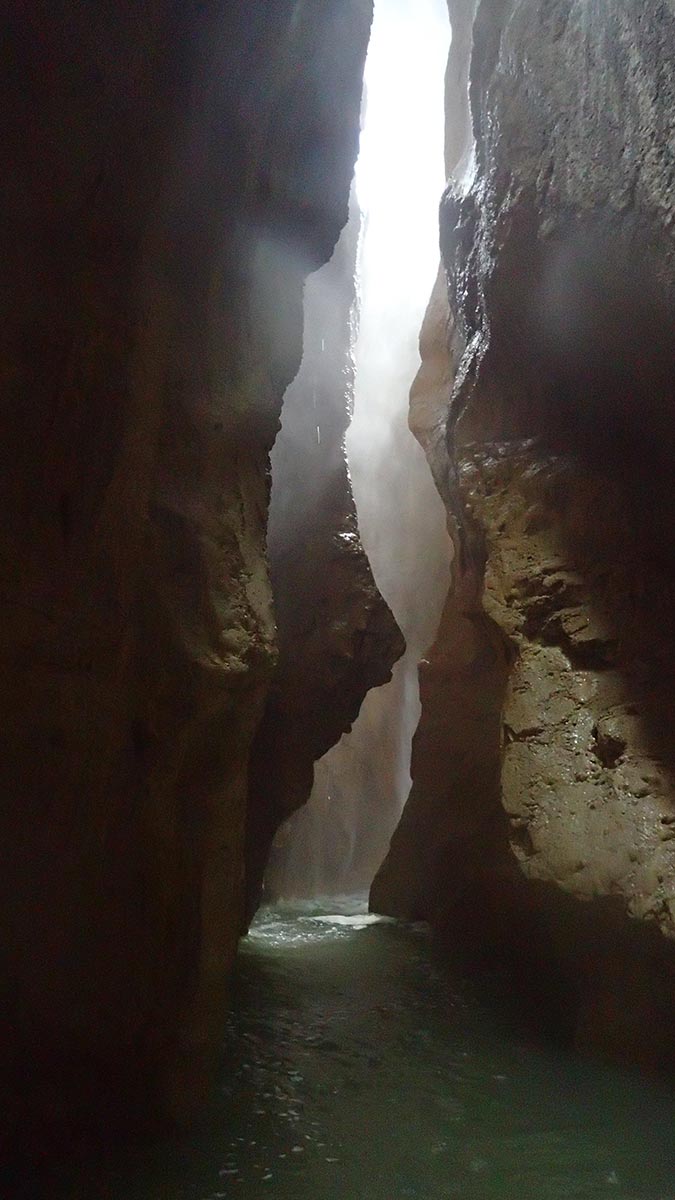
{"x":354,"y":1071}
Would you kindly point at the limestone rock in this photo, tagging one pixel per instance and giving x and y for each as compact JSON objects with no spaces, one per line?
{"x":538,"y":829}
{"x":337,"y":637}
{"x":173,"y":173}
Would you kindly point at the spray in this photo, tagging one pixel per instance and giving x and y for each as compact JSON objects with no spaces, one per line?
{"x":337,"y":842}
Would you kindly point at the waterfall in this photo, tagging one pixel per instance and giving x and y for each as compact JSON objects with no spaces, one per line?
{"x":338,"y":840}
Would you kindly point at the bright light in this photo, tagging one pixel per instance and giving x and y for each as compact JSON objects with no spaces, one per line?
{"x":400,"y":177}
{"x":399,"y":181}
{"x":400,"y":171}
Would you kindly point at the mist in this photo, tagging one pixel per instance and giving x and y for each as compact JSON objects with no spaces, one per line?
{"x":338,"y":840}
{"x":399,"y":180}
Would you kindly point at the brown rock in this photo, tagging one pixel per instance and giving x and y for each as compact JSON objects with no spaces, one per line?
{"x":337,"y":637}
{"x":544,"y":762}
{"x":173,"y":173}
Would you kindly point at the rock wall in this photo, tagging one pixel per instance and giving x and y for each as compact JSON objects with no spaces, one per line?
{"x":337,"y":637}
{"x":339,"y":839}
{"x":336,"y":842}
{"x":538,"y":830}
{"x":172,"y":174}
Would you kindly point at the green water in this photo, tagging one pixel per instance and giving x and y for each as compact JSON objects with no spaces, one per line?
{"x":354,"y":1071}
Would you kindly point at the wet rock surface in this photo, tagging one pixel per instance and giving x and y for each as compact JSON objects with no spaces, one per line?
{"x":537,"y":830}
{"x":173,"y":174}
{"x":337,"y":636}
{"x":589,"y":709}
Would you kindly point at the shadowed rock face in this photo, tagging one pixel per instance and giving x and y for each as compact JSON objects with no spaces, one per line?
{"x":172,"y":175}
{"x":337,"y":637}
{"x":537,"y":833}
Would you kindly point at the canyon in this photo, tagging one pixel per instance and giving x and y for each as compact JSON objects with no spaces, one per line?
{"x":172,"y":668}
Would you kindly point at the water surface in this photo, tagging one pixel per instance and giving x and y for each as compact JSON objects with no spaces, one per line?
{"x":354,"y":1071}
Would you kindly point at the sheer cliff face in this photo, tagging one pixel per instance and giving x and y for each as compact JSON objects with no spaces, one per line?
{"x":172,"y":177}
{"x":337,"y":637}
{"x":539,"y":827}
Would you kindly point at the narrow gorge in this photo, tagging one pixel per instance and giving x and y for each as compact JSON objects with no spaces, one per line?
{"x":255,"y":543}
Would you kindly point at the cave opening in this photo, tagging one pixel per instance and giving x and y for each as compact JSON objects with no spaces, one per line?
{"x":362,"y":315}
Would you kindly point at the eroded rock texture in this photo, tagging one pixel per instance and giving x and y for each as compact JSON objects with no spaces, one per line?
{"x":172,"y":175}
{"x":538,"y":833}
{"x":337,"y":637}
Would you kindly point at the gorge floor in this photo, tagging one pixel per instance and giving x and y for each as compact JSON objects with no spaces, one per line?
{"x":354,"y":1070}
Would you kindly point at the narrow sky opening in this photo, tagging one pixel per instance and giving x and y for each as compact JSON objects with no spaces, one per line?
{"x":399,"y":180}
{"x":400,"y":170}
{"x":338,"y":840}
{"x":400,"y":176}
